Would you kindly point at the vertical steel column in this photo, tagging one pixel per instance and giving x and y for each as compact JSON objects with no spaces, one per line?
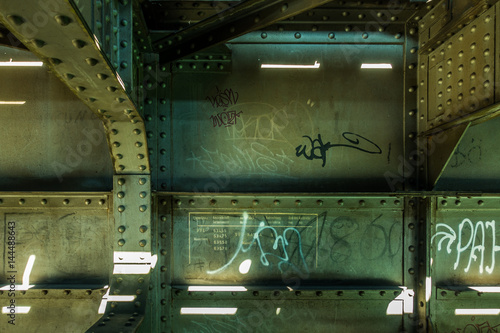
{"x":165,"y":129}
{"x":149,"y":94}
{"x":411,"y":164}
{"x":124,"y":43}
{"x":410,"y":264}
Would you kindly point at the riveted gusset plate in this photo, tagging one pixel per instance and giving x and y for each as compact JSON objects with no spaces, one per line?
{"x":55,"y":31}
{"x":441,"y":149}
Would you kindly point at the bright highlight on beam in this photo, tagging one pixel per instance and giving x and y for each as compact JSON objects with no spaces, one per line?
{"x":428,"y":288}
{"x":487,"y":289}
{"x":216,"y":288}
{"x":18,"y":309}
{"x":208,"y":311}
{"x":316,"y":65}
{"x":402,"y":304}
{"x":376,"y":66}
{"x":113,"y":298}
{"x":26,"y":276}
{"x":491,"y":312}
{"x":12,"y":102}
{"x":21,"y":63}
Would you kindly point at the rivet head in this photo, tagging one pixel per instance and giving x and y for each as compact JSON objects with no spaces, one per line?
{"x":234,"y":202}
{"x":411,"y":271}
{"x":213,"y":202}
{"x":43,"y":202}
{"x":142,"y":181}
{"x":65,"y":201}
{"x":120,"y":194}
{"x":143,"y":194}
{"x":91,"y":61}
{"x":142,"y":208}
{"x":121,"y":208}
{"x":121,"y":242}
{"x":480,"y":203}
{"x":88,"y":201}
{"x":102,"y":202}
{"x":298,"y":202}
{"x":255,"y":202}
{"x":143,"y":228}
{"x":340,"y":202}
{"x":142,"y":243}
{"x":121,"y":181}
{"x":276,"y":202}
{"x":62,"y":20}
{"x":121,"y":229}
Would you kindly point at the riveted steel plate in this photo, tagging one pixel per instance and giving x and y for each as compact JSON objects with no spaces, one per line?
{"x":461,"y":72}
{"x":55,"y":32}
{"x":465,"y":241}
{"x":277,"y":314}
{"x":446,"y":319}
{"x":59,"y":235}
{"x":272,"y":129}
{"x":52,"y":141}
{"x":65,"y":314}
{"x":284,"y":240}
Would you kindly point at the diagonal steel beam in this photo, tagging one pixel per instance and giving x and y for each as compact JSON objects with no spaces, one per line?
{"x":55,"y":31}
{"x":248,"y":16}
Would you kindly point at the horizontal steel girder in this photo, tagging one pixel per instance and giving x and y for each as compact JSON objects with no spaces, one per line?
{"x":248,"y":16}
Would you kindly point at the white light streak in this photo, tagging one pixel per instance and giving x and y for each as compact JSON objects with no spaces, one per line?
{"x":21,"y":63}
{"x":487,"y":289}
{"x":216,"y":288}
{"x":403,"y":303}
{"x":376,"y":66}
{"x":316,"y":65}
{"x":113,"y":298}
{"x":18,"y":309}
{"x":471,"y":312}
{"x":208,"y":311}
{"x":428,"y":288}
{"x":12,"y":102}
{"x":26,"y":276}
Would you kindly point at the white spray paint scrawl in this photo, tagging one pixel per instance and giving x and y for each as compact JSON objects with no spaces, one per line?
{"x":470,"y":237}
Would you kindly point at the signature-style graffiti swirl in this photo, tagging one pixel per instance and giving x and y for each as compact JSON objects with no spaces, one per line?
{"x":318,"y":148}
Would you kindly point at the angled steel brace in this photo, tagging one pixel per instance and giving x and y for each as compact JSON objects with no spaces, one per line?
{"x":248,"y":16}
